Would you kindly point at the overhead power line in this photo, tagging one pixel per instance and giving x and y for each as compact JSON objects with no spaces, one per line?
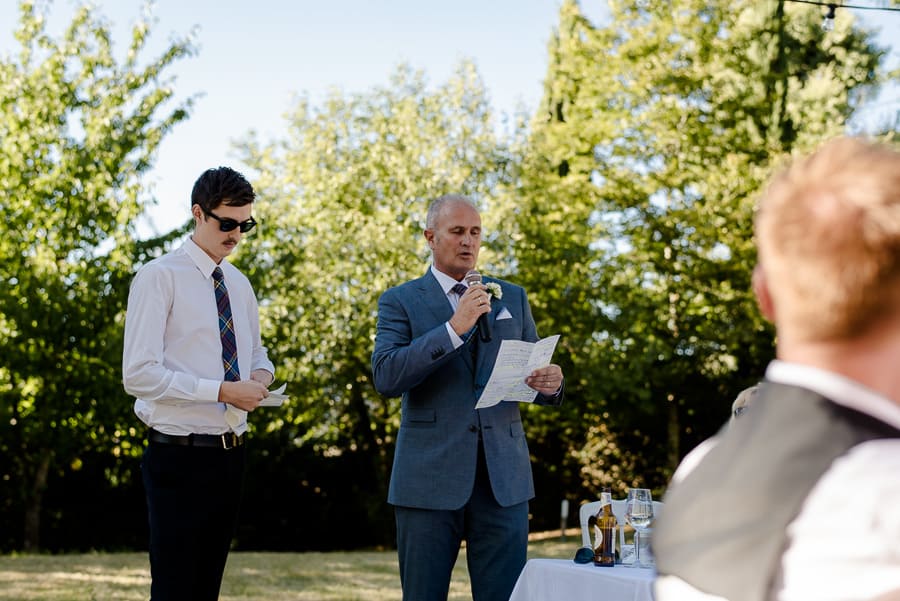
{"x":834,"y":5}
{"x":828,"y":21}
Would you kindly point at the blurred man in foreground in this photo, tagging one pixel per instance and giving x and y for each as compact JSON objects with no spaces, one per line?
{"x":798,"y":499}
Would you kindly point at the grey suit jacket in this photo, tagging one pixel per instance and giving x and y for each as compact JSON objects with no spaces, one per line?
{"x":437,"y":445}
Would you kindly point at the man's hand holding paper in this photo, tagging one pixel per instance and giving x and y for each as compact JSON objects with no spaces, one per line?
{"x":546,"y":380}
{"x":276,"y":397}
{"x":521,"y":370}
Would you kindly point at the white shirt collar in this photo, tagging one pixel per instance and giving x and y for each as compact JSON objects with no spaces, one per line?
{"x":202,"y":260}
{"x":837,"y":388}
{"x":444,"y":280}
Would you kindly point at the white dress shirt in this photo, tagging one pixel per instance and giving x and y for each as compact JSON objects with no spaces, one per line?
{"x":844,"y":545}
{"x":172,"y":358}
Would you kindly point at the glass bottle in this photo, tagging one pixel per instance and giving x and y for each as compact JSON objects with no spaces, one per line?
{"x":605,"y":531}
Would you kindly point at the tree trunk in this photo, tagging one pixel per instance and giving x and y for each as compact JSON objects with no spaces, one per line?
{"x":674,"y":437}
{"x":32,"y":536}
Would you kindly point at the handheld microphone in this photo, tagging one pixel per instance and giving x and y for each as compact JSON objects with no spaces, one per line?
{"x":484,"y":322}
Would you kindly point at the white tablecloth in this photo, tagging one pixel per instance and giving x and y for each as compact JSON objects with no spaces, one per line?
{"x":563,"y":579}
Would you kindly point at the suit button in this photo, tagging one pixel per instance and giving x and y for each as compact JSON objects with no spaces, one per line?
{"x":473,"y":428}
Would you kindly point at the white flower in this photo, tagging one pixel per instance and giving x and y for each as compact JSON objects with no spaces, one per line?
{"x":493,"y":288}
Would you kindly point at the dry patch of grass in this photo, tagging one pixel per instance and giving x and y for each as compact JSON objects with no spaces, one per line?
{"x":87,"y":577}
{"x":336,"y":576}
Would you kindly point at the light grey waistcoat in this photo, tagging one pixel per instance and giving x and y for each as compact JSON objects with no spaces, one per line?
{"x":723,"y":530}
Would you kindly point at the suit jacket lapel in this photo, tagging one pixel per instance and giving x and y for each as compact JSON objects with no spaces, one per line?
{"x":433,"y":297}
{"x":488,"y":349}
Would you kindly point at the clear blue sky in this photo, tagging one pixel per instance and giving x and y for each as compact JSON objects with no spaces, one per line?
{"x":255,"y":55}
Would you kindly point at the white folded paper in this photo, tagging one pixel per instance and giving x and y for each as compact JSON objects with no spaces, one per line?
{"x":276,"y":397}
{"x":515,"y":361}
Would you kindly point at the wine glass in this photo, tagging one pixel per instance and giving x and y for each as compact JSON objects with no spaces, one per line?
{"x":638,"y":514}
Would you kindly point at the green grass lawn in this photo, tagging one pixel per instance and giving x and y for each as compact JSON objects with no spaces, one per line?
{"x":337,"y":576}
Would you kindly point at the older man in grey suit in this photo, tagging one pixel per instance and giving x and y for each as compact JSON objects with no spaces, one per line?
{"x":459,"y":473}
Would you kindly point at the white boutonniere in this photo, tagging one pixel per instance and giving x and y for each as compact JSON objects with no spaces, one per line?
{"x":493,"y":288}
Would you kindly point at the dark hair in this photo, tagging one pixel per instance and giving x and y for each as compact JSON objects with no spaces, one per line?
{"x":221,"y":185}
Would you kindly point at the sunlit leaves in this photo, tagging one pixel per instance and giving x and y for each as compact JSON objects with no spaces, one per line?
{"x":342,"y":206}
{"x":635,"y":222}
{"x":77,"y":132}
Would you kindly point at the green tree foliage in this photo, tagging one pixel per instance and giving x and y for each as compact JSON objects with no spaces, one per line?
{"x":654,"y":136}
{"x":625,"y":211}
{"x":78,"y":128}
{"x":342,"y":206}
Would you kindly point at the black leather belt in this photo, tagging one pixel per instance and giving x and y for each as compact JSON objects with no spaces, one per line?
{"x":229,"y":440}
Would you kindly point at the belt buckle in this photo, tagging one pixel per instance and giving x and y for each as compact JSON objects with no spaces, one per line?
{"x":230,"y":437}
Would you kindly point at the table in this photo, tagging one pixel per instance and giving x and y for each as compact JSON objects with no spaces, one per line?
{"x":557,"y":579}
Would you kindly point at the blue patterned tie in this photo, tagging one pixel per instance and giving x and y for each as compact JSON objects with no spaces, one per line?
{"x":460,"y":289}
{"x":226,"y":328}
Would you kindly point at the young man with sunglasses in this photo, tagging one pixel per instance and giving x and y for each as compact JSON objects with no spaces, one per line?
{"x":194,"y":360}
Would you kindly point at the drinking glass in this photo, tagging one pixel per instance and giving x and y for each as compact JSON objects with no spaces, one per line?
{"x":638,"y":514}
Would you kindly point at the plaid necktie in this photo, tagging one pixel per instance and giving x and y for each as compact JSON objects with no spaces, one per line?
{"x":226,"y":329}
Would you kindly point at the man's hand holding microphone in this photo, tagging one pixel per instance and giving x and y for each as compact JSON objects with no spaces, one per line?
{"x":474,"y":306}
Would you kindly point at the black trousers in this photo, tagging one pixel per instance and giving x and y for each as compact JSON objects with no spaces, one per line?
{"x":193,"y":495}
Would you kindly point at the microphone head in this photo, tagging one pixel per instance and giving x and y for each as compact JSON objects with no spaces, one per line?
{"x":472,"y":277}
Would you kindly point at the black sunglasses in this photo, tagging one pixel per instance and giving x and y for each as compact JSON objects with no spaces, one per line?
{"x":226,"y":225}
